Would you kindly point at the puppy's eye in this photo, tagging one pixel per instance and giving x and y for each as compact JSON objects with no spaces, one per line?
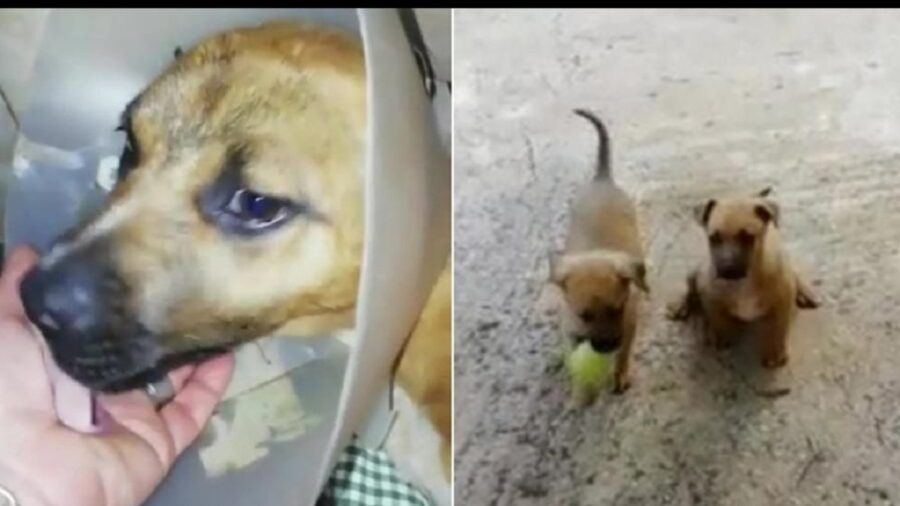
{"x":613,"y":312}
{"x":256,"y":211}
{"x":715,"y":238}
{"x":587,"y":316}
{"x":745,"y":238}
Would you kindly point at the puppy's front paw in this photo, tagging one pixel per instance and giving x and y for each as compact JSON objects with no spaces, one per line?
{"x":807,"y":300}
{"x":774,"y":362}
{"x":621,"y":384}
{"x":678,"y":311}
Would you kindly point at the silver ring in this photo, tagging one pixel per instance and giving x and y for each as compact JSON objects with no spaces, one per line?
{"x":160,"y":392}
{"x":6,"y":497}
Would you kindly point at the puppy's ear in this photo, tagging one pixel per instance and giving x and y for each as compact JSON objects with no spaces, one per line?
{"x":768,"y":211}
{"x":554,"y":262}
{"x":702,"y":211}
{"x":635,"y":271}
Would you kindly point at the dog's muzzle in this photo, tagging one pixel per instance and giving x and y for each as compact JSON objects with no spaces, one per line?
{"x":731,"y":272}
{"x":606,"y":345}
{"x":731,"y":261}
{"x":602,"y":342}
{"x":79,"y":305}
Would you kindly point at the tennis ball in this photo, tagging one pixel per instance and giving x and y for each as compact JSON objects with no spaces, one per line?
{"x":589,"y":371}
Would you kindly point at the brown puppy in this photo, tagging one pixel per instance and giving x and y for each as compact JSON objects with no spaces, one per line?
{"x":749,"y":283}
{"x":602,"y":263}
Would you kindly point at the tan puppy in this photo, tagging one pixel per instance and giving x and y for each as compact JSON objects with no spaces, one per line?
{"x":602,"y":264}
{"x":749,"y":283}
{"x":238,"y":214}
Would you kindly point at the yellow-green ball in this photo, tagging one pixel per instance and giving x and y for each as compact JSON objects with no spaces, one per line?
{"x":588,"y":369}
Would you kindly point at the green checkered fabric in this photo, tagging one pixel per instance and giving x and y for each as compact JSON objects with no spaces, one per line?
{"x":364,"y":477}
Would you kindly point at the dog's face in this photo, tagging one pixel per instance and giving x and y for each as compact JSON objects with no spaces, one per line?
{"x":238,"y":209}
{"x":597,"y":288}
{"x":736,"y":230}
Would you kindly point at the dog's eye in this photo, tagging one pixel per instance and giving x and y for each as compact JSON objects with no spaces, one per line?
{"x":587,"y":316}
{"x":237,"y":210}
{"x":715,"y":238}
{"x":613,"y":312}
{"x":257,"y":211}
{"x":745,"y":238}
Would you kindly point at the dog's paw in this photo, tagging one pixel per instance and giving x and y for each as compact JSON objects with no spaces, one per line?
{"x":806,"y":300}
{"x":774,"y":362}
{"x":621,"y":385}
{"x":678,"y":311}
{"x":806,"y":297}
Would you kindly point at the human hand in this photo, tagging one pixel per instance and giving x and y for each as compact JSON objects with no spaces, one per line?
{"x":44,"y":463}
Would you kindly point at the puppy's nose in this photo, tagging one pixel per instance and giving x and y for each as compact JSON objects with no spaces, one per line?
{"x":63,"y":301}
{"x":731,"y":272}
{"x":605,"y":345}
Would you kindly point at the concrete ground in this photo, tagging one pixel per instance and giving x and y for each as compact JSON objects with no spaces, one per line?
{"x":698,"y":103}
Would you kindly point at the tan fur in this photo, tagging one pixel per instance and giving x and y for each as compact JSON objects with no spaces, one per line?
{"x":766,"y":300}
{"x":424,"y":371}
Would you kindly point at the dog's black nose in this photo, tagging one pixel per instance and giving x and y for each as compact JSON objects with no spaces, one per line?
{"x":63,"y":301}
{"x":605,"y":345}
{"x":731,"y":272}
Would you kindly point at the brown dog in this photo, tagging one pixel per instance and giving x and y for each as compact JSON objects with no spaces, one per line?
{"x":749,"y":284}
{"x":602,"y":262}
{"x":238,"y":210}
{"x":238,"y":213}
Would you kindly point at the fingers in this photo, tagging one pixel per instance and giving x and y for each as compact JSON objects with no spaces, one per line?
{"x":188,"y":413}
{"x":133,"y":412}
{"x":147,"y":441}
{"x":173,"y":428}
{"x":180,"y":376}
{"x":19,"y":262}
{"x":136,"y":412}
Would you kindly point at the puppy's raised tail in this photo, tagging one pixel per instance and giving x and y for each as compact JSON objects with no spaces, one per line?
{"x":603,"y":169}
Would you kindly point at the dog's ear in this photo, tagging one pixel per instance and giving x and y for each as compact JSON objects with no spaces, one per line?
{"x":635,"y":271}
{"x":768,"y":211}
{"x":702,"y":211}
